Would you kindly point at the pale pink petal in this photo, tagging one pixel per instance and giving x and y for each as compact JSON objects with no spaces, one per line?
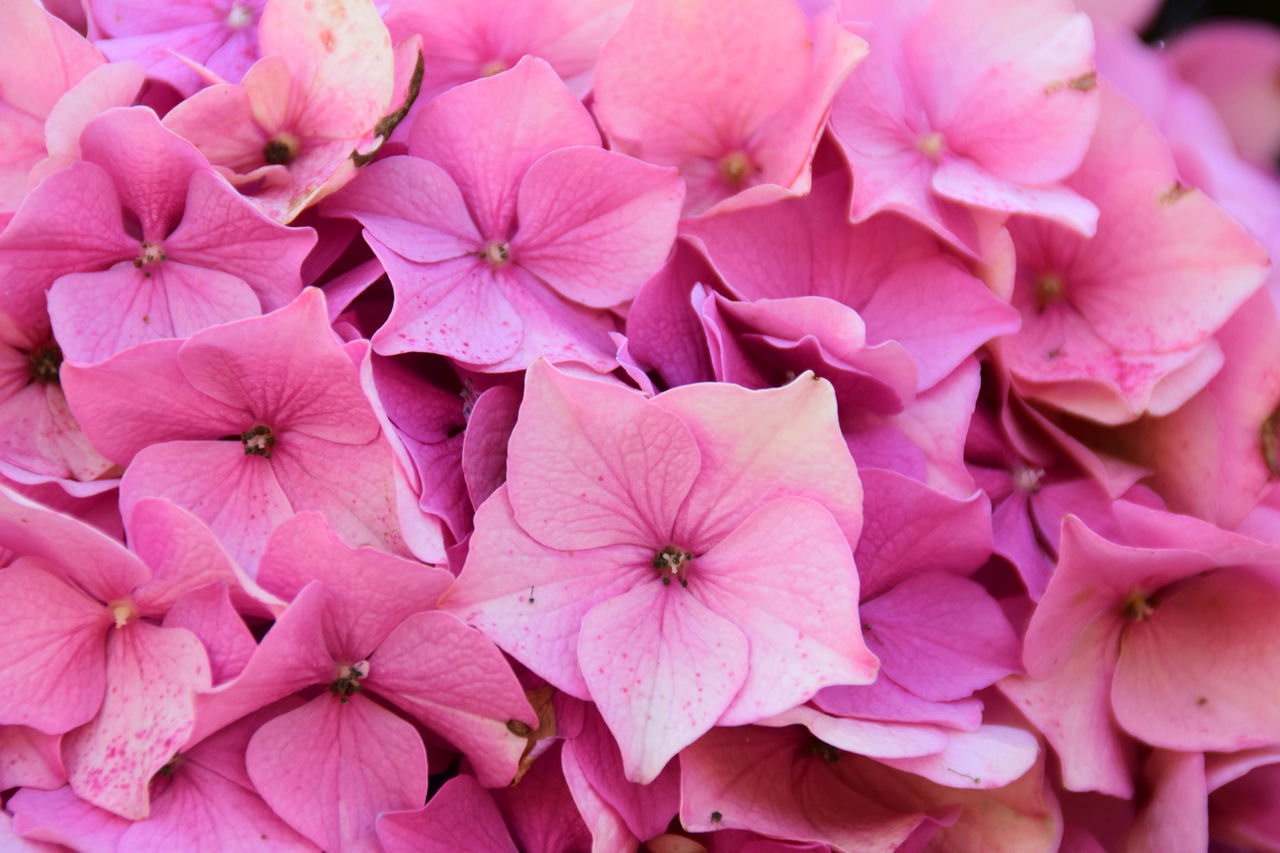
{"x":53,"y":646}
{"x":530,"y":599}
{"x":330,"y":767}
{"x":31,"y":759}
{"x":113,"y":85}
{"x":595,"y":224}
{"x":461,"y":815}
{"x":528,"y":109}
{"x":593,"y":464}
{"x":97,"y":314}
{"x":785,"y":577}
{"x":758,"y":445}
{"x":463,"y":689}
{"x":965,"y":182}
{"x":991,"y":757}
{"x":147,"y":716}
{"x":1187,"y":677}
{"x":457,"y":308}
{"x":1072,"y":708}
{"x":662,"y":668}
{"x":880,"y":740}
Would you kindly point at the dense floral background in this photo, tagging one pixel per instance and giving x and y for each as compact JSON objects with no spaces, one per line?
{"x":600,"y":425}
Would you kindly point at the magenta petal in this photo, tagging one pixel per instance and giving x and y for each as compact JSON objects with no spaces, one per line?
{"x":595,"y":224}
{"x":461,"y":815}
{"x":530,"y":599}
{"x":593,"y":464}
{"x":52,"y":677}
{"x":662,"y":668}
{"x":332,"y":766}
{"x":147,"y":716}
{"x":940,"y":636}
{"x":463,"y":689}
{"x":207,"y":613}
{"x":484,"y":444}
{"x":785,"y":577}
{"x":1188,"y":676}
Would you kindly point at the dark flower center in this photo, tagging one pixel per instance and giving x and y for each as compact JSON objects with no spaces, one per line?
{"x":258,"y":441}
{"x":1138,"y":607}
{"x":45,"y":363}
{"x":281,"y":149}
{"x":347,"y":682}
{"x":672,"y":562}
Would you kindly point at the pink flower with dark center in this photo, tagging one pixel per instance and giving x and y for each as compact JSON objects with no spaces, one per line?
{"x":682,"y":562}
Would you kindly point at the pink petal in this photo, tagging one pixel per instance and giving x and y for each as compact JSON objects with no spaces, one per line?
{"x":331,"y":767}
{"x":339,"y":58}
{"x":594,"y":224}
{"x":370,"y":592}
{"x":97,"y":314}
{"x":60,"y":817}
{"x":528,"y":108}
{"x":484,"y":447}
{"x":940,"y":636}
{"x":530,"y":599}
{"x":207,"y":613}
{"x":758,"y":445}
{"x":71,"y":549}
{"x":1175,"y":817}
{"x":991,"y":757}
{"x":593,"y":465}
{"x":238,"y":496}
{"x":147,"y":716}
{"x":785,"y":578}
{"x":456,"y":308}
{"x":53,"y":677}
{"x":461,"y":815}
{"x":1188,"y":676}
{"x":31,"y":759}
{"x":663,"y":331}
{"x":662,"y":668}
{"x":965,"y":182}
{"x":885,"y":700}
{"x":878,"y":740}
{"x":464,"y":690}
{"x":412,"y":207}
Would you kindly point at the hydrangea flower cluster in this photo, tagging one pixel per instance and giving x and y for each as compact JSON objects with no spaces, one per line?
{"x":693,"y":426}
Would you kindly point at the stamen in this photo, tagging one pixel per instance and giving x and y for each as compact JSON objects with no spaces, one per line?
{"x":239,"y":17}
{"x":281,"y":149}
{"x":497,"y":253}
{"x":1138,"y":607}
{"x":45,"y":363}
{"x":1049,"y":288}
{"x":672,"y":562}
{"x":931,"y":144}
{"x":735,"y":167}
{"x":497,"y":66}
{"x":1027,"y":479}
{"x":347,"y":681}
{"x":258,"y":441}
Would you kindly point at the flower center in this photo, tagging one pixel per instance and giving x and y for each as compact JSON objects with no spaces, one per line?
{"x":281,"y":149}
{"x":123,"y":612}
{"x":44,"y":364}
{"x":1049,"y":289}
{"x":497,"y":66}
{"x":735,"y":167}
{"x":1138,"y":607}
{"x":347,"y":681}
{"x":152,"y":253}
{"x":497,"y":253}
{"x":931,"y":144}
{"x":239,"y":17}
{"x":258,"y":441}
{"x":672,"y":562}
{"x":1027,"y":479}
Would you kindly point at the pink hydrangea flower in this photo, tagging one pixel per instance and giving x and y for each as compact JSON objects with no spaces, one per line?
{"x":681,"y":562}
